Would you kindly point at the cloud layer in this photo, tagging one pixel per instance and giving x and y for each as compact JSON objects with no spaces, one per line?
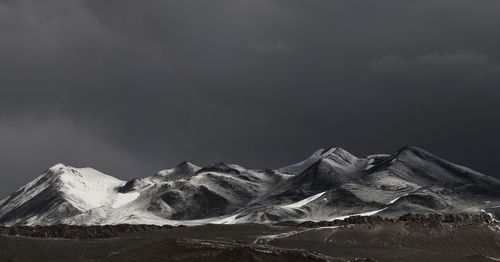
{"x":142,"y":86}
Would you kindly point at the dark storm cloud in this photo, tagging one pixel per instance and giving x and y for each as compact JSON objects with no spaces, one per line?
{"x":456,"y":70}
{"x":131,"y":87}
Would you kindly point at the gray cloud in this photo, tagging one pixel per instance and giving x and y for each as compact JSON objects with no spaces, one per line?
{"x":457,"y":70}
{"x":262,"y":83}
{"x":270,"y":46}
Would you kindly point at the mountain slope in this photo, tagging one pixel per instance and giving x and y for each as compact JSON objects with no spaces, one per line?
{"x":330,"y":184}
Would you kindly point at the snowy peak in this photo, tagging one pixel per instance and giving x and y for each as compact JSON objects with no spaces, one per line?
{"x":62,"y":170}
{"x":333,"y":167}
{"x":60,"y":191}
{"x":184,"y":166}
{"x":339,"y":158}
{"x":183,"y":170}
{"x":336,"y":155}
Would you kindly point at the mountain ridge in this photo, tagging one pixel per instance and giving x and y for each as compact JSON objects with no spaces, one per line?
{"x":330,"y":184}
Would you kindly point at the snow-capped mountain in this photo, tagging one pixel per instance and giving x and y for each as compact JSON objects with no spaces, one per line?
{"x":60,"y":192}
{"x":330,"y":184}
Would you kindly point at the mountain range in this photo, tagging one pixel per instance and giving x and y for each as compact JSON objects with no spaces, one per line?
{"x":330,"y":184}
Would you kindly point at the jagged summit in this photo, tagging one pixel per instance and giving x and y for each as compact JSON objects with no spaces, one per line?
{"x":57,"y":166}
{"x":186,"y":165}
{"x":57,"y":169}
{"x":333,"y":154}
{"x":329,"y":184}
{"x":316,"y":156}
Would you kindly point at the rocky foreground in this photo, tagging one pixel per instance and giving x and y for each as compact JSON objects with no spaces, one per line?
{"x":411,"y":237}
{"x":106,"y":231}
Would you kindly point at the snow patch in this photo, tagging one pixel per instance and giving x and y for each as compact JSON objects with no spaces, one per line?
{"x":369,"y":167}
{"x":304,"y":202}
{"x":396,"y":199}
{"x":371,"y":213}
{"x":122,"y":199}
{"x":88,"y":188}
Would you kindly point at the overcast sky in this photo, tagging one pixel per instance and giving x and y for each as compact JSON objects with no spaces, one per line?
{"x":131,"y":87}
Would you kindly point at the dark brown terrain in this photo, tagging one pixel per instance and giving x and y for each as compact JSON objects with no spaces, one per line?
{"x":412,"y":237}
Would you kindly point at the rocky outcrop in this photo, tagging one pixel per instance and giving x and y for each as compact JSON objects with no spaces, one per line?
{"x":436,"y":218}
{"x":370,"y":220}
{"x":426,"y":219}
{"x":77,"y":232}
